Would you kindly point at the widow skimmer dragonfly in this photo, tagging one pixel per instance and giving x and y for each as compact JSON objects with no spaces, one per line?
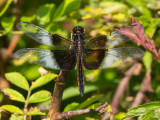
{"x":94,"y":53}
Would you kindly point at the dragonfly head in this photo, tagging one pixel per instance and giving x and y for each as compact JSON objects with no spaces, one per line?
{"x":78,"y":30}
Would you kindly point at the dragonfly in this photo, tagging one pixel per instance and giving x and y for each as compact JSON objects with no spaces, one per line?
{"x":66,"y":54}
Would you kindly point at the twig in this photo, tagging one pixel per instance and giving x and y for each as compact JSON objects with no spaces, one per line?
{"x":134,"y":70}
{"x":66,"y":115}
{"x":13,"y":44}
{"x":145,"y":88}
{"x":54,"y":110}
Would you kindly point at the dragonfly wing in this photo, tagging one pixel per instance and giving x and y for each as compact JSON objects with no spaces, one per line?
{"x":93,"y":58}
{"x":116,"y":56}
{"x":96,"y":43}
{"x":42,"y":36}
{"x":102,"y":42}
{"x":111,"y":57}
{"x":46,"y":58}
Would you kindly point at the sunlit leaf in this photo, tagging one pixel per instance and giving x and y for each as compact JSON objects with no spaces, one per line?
{"x":18,"y":80}
{"x":65,"y":7}
{"x":16,"y":117}
{"x":142,"y":109}
{"x":11,"y":109}
{"x":72,"y":106}
{"x":8,"y":22}
{"x":73,"y":91}
{"x":14,"y":95}
{"x":28,"y":18}
{"x":140,"y":7}
{"x":43,"y":80}
{"x":93,"y":106}
{"x":119,"y":116}
{"x":45,"y":13}
{"x":39,"y":96}
{"x":35,"y":111}
{"x":147,"y":60}
{"x":89,"y":101}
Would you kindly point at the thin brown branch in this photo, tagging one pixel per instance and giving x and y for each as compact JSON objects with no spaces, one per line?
{"x":134,"y":70}
{"x":145,"y":88}
{"x":57,"y":95}
{"x":13,"y":44}
{"x":101,"y":109}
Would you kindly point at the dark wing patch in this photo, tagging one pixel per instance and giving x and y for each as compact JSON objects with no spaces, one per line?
{"x":93,"y":58}
{"x":96,"y":43}
{"x":46,"y":58}
{"x":100,"y":59}
{"x":66,"y":59}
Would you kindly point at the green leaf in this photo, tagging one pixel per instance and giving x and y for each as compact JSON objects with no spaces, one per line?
{"x":16,"y":117}
{"x":28,"y":18}
{"x":14,"y":95}
{"x":39,"y":96}
{"x":44,"y":13}
{"x":152,"y":26}
{"x":75,"y":91}
{"x":72,"y":106}
{"x":11,"y":109}
{"x":147,"y":60}
{"x":8,"y":22}
{"x":6,"y":7}
{"x":43,"y":80}
{"x":89,"y":101}
{"x":94,"y":106}
{"x":148,"y":115}
{"x":65,"y":7}
{"x":18,"y":80}
{"x":142,"y":109}
{"x":35,"y":111}
{"x":119,"y":116}
{"x":140,"y":7}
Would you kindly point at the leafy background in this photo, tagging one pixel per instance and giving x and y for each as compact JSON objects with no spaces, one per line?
{"x":97,"y":17}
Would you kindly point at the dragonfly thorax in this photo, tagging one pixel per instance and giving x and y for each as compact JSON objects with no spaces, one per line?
{"x":78,"y":30}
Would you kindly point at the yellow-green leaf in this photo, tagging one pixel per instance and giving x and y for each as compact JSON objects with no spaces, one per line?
{"x":40,"y":96}
{"x":14,"y":95}
{"x":45,"y":13}
{"x":43,"y":80}
{"x":11,"y":109}
{"x":35,"y":112}
{"x":147,"y":60}
{"x":18,"y":80}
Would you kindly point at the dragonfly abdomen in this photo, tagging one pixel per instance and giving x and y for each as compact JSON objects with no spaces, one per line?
{"x":80,"y":75}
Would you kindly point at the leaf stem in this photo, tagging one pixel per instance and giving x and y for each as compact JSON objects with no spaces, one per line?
{"x":26,"y":103}
{"x":6,"y":7}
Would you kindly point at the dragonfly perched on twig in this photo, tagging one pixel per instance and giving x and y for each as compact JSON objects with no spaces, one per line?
{"x":94,"y":53}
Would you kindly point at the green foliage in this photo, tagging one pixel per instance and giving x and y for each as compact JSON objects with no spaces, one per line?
{"x":147,"y":60}
{"x":16,"y":117}
{"x":151,"y":110}
{"x":18,"y":80}
{"x":39,"y":96}
{"x":7,"y":23}
{"x":43,"y":80}
{"x":44,"y":13}
{"x":66,"y":7}
{"x":35,"y":111}
{"x":14,"y":95}
{"x":89,"y":101}
{"x":11,"y":109}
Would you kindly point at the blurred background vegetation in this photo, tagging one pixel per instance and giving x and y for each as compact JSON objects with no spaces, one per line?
{"x":97,"y":17}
